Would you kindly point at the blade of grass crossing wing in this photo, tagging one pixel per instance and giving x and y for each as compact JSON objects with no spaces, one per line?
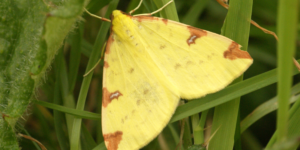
{"x":237,"y":28}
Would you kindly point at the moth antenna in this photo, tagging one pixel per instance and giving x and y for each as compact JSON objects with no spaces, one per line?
{"x":96,"y":62}
{"x":137,"y":7}
{"x":101,"y":18}
{"x":158,"y":10}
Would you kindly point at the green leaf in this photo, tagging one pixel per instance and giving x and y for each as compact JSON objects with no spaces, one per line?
{"x":29,"y":40}
{"x":8,"y":139}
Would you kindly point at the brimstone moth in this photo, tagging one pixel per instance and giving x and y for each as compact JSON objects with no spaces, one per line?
{"x":150,"y":63}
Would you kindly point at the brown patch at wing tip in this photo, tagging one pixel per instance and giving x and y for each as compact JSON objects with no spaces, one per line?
{"x":112,"y":140}
{"x":106,"y":64}
{"x":107,"y":97}
{"x":195,"y":33}
{"x":234,"y":52}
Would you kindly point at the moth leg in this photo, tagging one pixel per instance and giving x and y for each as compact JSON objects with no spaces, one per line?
{"x":158,"y":10}
{"x":96,"y":62}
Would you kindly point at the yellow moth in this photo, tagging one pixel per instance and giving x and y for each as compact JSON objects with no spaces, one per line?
{"x":150,"y":63}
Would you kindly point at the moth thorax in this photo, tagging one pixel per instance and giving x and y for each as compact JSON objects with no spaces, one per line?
{"x":124,"y":29}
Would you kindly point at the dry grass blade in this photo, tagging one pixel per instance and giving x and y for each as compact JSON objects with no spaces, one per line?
{"x":33,"y":139}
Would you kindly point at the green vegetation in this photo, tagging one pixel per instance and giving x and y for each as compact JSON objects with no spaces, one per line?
{"x":47,"y":45}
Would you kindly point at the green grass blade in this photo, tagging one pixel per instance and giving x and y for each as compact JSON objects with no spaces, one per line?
{"x":86,"y":48}
{"x":287,"y":30}
{"x":293,"y":126}
{"x":67,"y":97}
{"x":288,"y":144}
{"x":193,"y":14}
{"x":237,"y":28}
{"x":75,"y":53}
{"x":266,"y":108}
{"x":187,"y":137}
{"x":71,"y":111}
{"x":59,"y":120}
{"x":198,"y":131}
{"x":96,"y":53}
{"x":101,"y":146}
{"x":168,"y":12}
{"x":95,"y":5}
{"x":87,"y":139}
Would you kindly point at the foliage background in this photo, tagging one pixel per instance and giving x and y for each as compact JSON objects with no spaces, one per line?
{"x":64,"y":82}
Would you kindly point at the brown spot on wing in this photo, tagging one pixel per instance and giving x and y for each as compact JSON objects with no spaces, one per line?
{"x":165,"y":20}
{"x":188,"y":63}
{"x":195,"y":33}
{"x":106,"y":64}
{"x":138,"y":102}
{"x":107,"y":97}
{"x":146,"y":91}
{"x":177,"y":66}
{"x":133,"y":111}
{"x":234,"y":52}
{"x":131,"y":70}
{"x":112,"y":140}
{"x":162,"y":46}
